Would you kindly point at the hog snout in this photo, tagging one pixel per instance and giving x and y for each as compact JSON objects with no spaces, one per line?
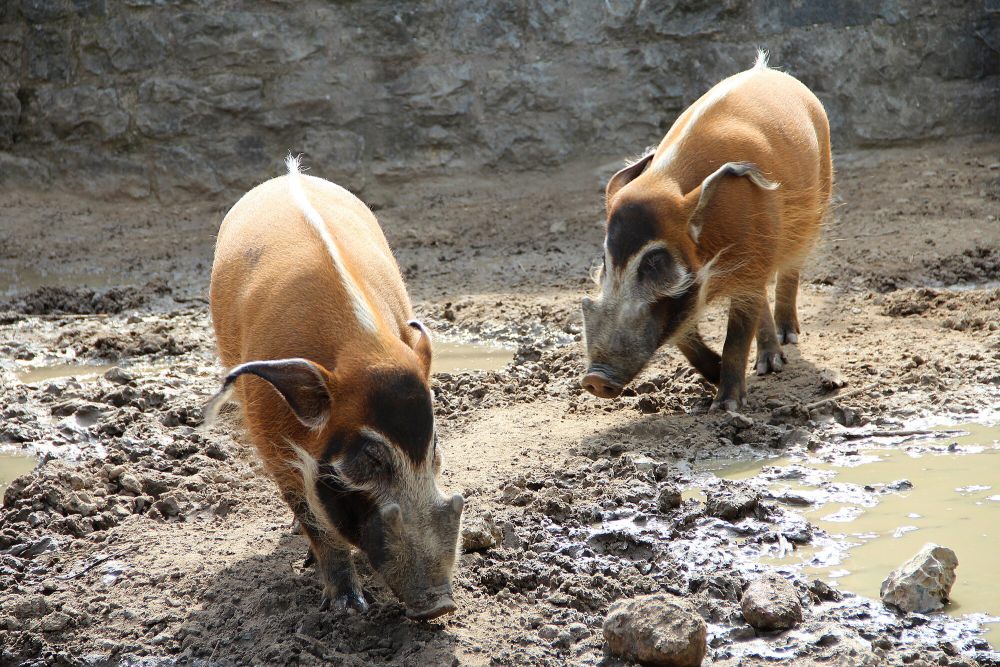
{"x":437,"y":602}
{"x":599,"y":383}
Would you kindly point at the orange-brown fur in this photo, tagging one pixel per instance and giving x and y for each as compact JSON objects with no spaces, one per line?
{"x":774,"y":122}
{"x":276,"y":294}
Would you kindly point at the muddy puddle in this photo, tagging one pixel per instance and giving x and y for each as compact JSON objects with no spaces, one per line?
{"x":24,"y":279}
{"x":448,"y":358}
{"x":453,"y":357}
{"x":13,"y":465}
{"x":33,"y":374}
{"x":879,"y":505}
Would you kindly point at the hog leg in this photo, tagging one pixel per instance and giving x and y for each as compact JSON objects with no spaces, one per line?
{"x":770,"y":358}
{"x":744,"y":316}
{"x":701,"y":356}
{"x":785,"y":306}
{"x":341,"y":588}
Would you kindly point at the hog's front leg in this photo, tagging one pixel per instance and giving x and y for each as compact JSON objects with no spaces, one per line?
{"x":341,"y":588}
{"x":332,"y":558}
{"x":705,"y":360}
{"x":744,"y":317}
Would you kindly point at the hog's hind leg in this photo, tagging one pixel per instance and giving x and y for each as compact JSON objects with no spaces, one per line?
{"x":785,"y":306}
{"x":770,"y":358}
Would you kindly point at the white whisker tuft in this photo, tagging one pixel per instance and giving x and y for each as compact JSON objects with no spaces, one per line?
{"x":309,"y":470}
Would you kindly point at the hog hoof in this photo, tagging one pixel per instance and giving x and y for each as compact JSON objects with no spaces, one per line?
{"x":788,"y":334}
{"x":726,"y":405}
{"x":770,"y":361}
{"x":354,"y":600}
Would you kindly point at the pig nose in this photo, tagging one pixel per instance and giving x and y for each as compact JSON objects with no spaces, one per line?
{"x":600,"y":385}
{"x":443,"y":605}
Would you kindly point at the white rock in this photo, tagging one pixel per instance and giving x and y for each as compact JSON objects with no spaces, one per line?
{"x":923,"y":583}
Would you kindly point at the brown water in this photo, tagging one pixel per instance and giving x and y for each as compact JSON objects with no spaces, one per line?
{"x":23,"y":279}
{"x":460,"y":357}
{"x":32,"y":374}
{"x":13,"y":465}
{"x":954,"y":501}
{"x":448,"y":358}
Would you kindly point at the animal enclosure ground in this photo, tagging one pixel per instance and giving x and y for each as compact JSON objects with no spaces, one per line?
{"x":143,"y":536}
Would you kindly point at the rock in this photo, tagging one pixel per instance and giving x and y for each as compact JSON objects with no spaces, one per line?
{"x":480,"y":534}
{"x":771,"y":603}
{"x":668,"y":499}
{"x":659,"y":629}
{"x":731,"y":502}
{"x":830,"y":380}
{"x":129,"y":483}
{"x":923,"y":583}
{"x":56,"y":622}
{"x":29,"y":607}
{"x":739,"y":422}
{"x":118,"y":375}
{"x":224,"y":88}
{"x":794,"y":436}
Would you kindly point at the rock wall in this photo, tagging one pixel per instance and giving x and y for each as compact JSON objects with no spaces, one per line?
{"x":177,"y":99}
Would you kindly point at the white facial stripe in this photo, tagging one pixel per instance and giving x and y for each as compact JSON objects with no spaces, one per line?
{"x":362,"y":310}
{"x":695,"y":112}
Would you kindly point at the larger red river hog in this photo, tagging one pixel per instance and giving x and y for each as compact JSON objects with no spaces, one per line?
{"x":733,"y":196}
{"x":312,"y":316}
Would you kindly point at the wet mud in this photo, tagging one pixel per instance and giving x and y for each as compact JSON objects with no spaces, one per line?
{"x":143,"y":537}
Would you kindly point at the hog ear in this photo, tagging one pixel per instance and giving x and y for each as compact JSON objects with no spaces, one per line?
{"x":700,"y":197}
{"x":626,"y":176}
{"x":300,"y":382}
{"x":422,"y":346}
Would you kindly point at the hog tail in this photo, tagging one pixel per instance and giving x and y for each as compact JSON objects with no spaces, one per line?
{"x":211,"y":409}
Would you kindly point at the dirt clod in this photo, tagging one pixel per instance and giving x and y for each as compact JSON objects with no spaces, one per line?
{"x":658,"y":629}
{"x":770,"y":602}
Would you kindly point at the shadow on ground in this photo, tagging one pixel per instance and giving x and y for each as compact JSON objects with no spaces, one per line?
{"x":265,"y":610}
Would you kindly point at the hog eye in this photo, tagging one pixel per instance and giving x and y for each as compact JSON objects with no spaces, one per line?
{"x":655,"y":265}
{"x":370,"y":461}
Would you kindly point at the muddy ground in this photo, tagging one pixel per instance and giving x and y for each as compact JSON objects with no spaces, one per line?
{"x":142,"y":539}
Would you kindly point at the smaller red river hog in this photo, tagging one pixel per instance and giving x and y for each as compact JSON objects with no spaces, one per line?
{"x":734,"y":195}
{"x":312,"y":316}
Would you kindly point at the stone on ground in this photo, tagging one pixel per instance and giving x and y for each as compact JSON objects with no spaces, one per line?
{"x":771,"y":603}
{"x":659,"y":629}
{"x":923,"y":583}
{"x":480,"y":534}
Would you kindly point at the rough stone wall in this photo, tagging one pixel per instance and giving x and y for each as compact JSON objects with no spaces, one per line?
{"x":191,"y":98}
